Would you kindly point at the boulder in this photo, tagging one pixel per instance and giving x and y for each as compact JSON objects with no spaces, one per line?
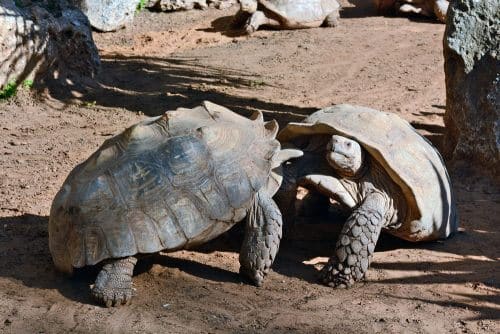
{"x":472,"y":68}
{"x":109,"y":15}
{"x":37,"y":44}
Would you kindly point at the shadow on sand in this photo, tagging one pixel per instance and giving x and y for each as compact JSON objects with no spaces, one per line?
{"x":26,"y":258}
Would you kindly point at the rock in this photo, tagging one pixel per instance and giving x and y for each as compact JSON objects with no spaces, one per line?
{"x":40,"y":45}
{"x":108,"y":15}
{"x":472,"y":68}
{"x":172,"y":5}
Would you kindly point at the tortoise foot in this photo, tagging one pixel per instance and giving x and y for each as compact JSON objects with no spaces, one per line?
{"x":113,"y":286}
{"x":255,"y":276}
{"x":335,"y":276}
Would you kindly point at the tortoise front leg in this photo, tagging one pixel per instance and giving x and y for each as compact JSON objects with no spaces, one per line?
{"x":356,"y":243}
{"x":258,"y":19}
{"x":113,"y":286}
{"x":262,"y":238}
{"x":329,"y":186}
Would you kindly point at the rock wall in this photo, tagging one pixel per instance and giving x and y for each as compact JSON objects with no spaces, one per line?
{"x":37,"y":44}
{"x":472,"y":68}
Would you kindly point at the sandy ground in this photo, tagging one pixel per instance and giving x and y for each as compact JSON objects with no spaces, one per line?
{"x":165,"y":61}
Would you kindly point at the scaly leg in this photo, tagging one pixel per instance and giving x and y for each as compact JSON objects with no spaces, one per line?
{"x":258,"y":19}
{"x":262,"y":238}
{"x":329,"y":186}
{"x":356,"y":243}
{"x":113,"y":286}
{"x":332,"y":20}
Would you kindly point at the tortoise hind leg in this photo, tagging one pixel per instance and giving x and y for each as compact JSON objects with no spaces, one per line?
{"x":260,"y":19}
{"x":262,"y":238}
{"x":332,"y":20}
{"x":356,"y":243}
{"x":113,"y":285}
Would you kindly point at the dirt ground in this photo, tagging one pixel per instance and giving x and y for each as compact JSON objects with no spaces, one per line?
{"x":164,"y":61}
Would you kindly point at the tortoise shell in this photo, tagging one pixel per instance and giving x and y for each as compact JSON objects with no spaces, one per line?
{"x":166,"y":183}
{"x":301,"y":12}
{"x":408,"y":158}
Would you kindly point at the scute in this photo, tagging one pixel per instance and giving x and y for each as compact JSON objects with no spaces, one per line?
{"x":418,"y":168}
{"x":165,"y":183}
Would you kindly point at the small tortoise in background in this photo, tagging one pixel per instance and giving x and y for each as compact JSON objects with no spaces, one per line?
{"x":168,"y":183}
{"x":286,"y":14}
{"x":383,"y":170}
{"x":429,"y":8}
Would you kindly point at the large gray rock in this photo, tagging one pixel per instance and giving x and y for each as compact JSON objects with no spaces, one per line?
{"x":37,"y":44}
{"x":472,"y":67}
{"x":108,"y":15}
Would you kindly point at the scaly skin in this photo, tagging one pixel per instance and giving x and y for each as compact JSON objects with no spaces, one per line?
{"x":262,"y":238}
{"x":356,"y":243}
{"x":113,"y":286}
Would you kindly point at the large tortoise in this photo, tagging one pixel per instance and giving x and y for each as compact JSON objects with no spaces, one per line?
{"x":286,"y":14}
{"x":383,"y":170}
{"x":168,"y":183}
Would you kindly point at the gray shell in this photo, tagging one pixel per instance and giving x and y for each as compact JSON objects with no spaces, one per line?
{"x":166,"y":183}
{"x":301,"y":12}
{"x":408,"y":158}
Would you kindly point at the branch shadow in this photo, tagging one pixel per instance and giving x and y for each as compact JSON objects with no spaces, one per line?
{"x":154,"y":85}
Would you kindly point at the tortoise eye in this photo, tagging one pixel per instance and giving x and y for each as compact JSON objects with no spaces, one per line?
{"x":349,"y":144}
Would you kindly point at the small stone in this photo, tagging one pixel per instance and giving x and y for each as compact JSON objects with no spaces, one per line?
{"x":364,"y":240}
{"x":345,"y":240}
{"x":371,"y":248}
{"x":347,"y":271}
{"x":352,"y":259}
{"x":356,"y":246}
{"x":340,"y":266}
{"x":355,"y":231}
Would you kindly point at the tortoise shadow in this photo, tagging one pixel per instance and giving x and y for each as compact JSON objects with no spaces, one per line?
{"x":153,"y":85}
{"x":224,"y":26}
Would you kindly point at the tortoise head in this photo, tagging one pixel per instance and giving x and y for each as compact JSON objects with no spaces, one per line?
{"x":248,"y":6}
{"x":344,"y":155}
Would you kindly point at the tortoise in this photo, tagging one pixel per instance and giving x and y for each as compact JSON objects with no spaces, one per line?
{"x":429,"y":8}
{"x":286,"y":14}
{"x":168,"y":183}
{"x":386,"y":174}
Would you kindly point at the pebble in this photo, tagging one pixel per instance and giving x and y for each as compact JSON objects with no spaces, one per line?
{"x":371,"y":248}
{"x":351,"y":260}
{"x":345,"y":240}
{"x":364,"y":240}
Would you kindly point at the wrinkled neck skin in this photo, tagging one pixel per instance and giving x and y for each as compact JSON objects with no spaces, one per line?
{"x":371,"y":178}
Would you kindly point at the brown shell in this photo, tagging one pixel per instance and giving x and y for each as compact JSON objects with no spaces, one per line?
{"x":166,"y":183}
{"x":408,"y":158}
